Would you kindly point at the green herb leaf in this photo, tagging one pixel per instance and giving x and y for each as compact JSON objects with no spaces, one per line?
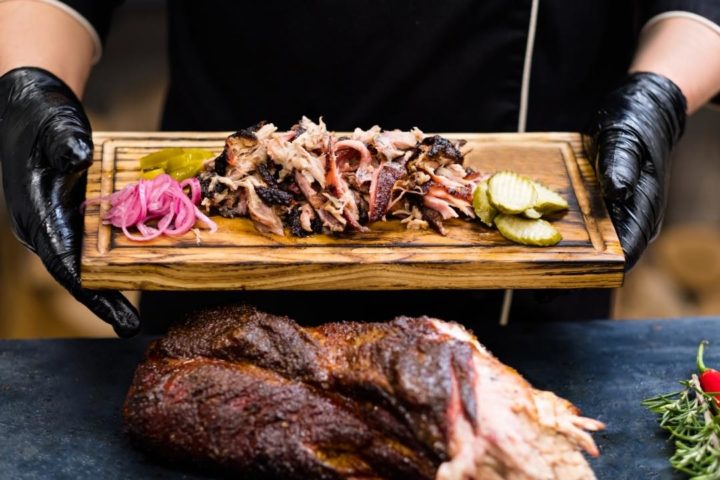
{"x":691,"y":417}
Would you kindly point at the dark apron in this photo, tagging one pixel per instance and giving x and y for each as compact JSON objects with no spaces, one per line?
{"x":441,"y":66}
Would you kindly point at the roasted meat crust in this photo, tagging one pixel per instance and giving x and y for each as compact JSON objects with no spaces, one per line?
{"x":274,"y":196}
{"x":441,"y":147}
{"x":260,"y":396}
{"x":381,"y":189}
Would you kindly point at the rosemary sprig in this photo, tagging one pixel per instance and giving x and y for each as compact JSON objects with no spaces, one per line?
{"x":691,"y":417}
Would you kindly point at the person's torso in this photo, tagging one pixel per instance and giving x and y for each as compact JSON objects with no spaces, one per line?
{"x":456,"y":65}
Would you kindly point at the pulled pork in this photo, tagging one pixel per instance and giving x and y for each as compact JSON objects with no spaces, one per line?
{"x":309,"y":181}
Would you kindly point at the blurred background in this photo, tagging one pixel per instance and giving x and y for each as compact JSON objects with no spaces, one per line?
{"x":678,"y":276}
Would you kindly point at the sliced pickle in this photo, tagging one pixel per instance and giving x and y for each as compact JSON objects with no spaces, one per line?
{"x":547,"y":200}
{"x":511,"y":193}
{"x":528,"y":232}
{"x":532,"y":214}
{"x":481,"y":203}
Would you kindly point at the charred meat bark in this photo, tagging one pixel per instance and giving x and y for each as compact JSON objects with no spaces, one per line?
{"x":434,"y":219}
{"x":260,"y":396}
{"x":274,"y":196}
{"x":381,"y":189}
{"x":302,"y":221}
{"x":438,"y":146}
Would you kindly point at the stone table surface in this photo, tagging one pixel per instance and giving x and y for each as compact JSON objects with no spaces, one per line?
{"x":60,"y":400}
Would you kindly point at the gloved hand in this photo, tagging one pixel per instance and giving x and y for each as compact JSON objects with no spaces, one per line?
{"x":631,"y":139}
{"x":45,"y":151}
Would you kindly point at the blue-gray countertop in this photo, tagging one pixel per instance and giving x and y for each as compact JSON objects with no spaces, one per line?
{"x":60,"y":400}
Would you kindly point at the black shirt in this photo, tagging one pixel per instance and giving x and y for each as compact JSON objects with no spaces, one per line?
{"x":454,"y":65}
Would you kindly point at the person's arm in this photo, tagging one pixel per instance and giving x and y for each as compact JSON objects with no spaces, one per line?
{"x":46,"y":51}
{"x":685,"y":50}
{"x":675,"y":71}
{"x":39,"y":34}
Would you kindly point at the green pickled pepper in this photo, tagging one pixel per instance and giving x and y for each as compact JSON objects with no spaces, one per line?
{"x":150,"y":174}
{"x":179,"y":163}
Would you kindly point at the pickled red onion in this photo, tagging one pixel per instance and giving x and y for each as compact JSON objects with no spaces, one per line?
{"x":162,"y":199}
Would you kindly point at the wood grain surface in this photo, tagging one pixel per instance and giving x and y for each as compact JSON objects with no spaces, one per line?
{"x":390,"y":257}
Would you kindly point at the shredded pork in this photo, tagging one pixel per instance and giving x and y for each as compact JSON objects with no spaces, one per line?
{"x":308,"y":180}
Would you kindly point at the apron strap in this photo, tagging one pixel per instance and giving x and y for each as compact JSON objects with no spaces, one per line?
{"x":505,"y":311}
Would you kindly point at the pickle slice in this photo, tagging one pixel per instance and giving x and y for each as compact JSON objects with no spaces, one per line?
{"x":528,"y":232}
{"x":532,"y":214}
{"x":481,"y":203}
{"x":547,"y":200}
{"x":511,"y":193}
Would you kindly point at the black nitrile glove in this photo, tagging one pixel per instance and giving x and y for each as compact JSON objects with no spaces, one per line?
{"x":632,"y":137}
{"x":45,"y":151}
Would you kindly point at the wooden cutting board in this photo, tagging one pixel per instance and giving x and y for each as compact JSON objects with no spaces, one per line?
{"x":388,"y":257}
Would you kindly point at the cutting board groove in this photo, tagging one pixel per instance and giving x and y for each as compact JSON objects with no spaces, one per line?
{"x":388,"y":257}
